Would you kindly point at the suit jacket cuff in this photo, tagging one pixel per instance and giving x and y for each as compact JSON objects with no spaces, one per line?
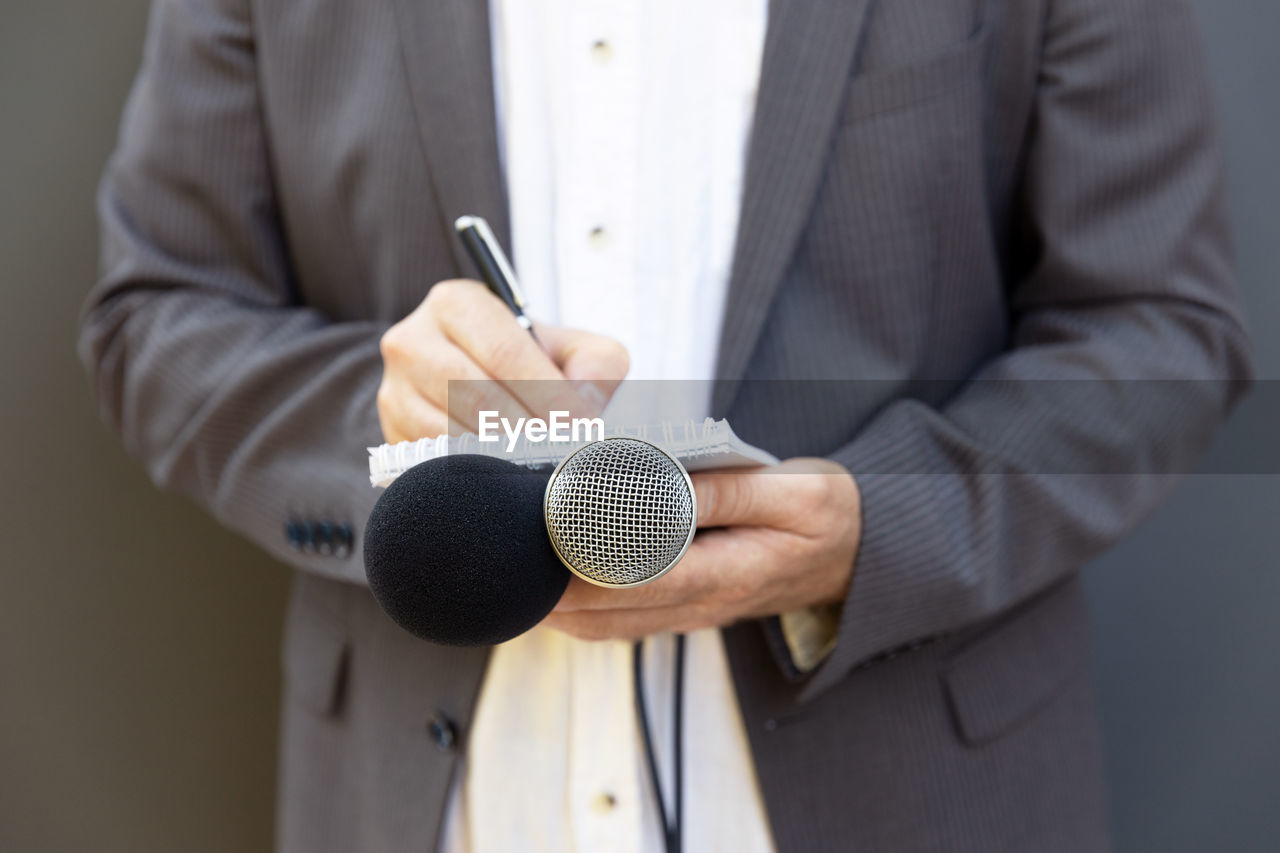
{"x":888,"y":605}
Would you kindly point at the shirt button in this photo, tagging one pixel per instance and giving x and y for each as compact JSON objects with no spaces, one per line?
{"x":601,"y":52}
{"x":603,"y":802}
{"x":598,"y":237}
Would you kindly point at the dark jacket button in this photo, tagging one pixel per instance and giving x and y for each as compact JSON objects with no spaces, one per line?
{"x":443,"y":733}
{"x":324,"y":537}
{"x":308,"y":535}
{"x":343,"y":539}
{"x":294,"y":533}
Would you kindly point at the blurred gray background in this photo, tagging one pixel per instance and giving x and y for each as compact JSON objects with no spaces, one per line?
{"x":138,"y":641}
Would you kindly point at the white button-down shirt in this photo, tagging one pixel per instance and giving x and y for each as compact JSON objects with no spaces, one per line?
{"x":623,"y":131}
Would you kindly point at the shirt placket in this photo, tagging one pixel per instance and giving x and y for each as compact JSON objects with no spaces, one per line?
{"x":595,"y":227}
{"x":595,"y":235}
{"x":604,"y":796}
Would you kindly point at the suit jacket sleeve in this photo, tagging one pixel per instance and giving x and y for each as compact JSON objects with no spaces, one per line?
{"x":201,"y":353}
{"x":1062,"y":444}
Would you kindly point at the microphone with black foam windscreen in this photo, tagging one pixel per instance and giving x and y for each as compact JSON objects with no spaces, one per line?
{"x":457,"y":553}
{"x":470,"y":550}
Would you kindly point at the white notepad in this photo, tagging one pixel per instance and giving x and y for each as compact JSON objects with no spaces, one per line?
{"x":699,"y":447}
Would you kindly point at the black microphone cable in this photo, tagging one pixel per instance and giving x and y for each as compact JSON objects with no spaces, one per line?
{"x":673,"y":828}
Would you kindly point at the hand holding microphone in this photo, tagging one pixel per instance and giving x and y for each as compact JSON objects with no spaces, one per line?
{"x":473,"y":550}
{"x":771,"y":540}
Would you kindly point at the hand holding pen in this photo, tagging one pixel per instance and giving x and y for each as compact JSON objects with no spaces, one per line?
{"x":459,"y":353}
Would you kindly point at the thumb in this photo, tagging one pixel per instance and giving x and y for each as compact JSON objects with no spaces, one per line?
{"x":595,"y":364}
{"x":730,"y":498}
{"x":782,"y":496}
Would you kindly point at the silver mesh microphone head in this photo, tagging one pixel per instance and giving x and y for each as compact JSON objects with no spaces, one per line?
{"x":620,"y":512}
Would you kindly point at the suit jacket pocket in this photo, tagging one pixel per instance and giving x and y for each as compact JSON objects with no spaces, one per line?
{"x":1019,"y":666}
{"x":315,"y":656}
{"x":883,"y":91}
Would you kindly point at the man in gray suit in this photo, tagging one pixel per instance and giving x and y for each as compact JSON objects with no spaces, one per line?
{"x":949,"y":209}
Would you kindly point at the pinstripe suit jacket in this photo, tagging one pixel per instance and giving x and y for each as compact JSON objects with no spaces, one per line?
{"x":948,"y":204}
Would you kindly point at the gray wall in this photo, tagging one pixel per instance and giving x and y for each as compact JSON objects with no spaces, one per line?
{"x":138,"y":642}
{"x":138,"y":662}
{"x":1187,"y":611}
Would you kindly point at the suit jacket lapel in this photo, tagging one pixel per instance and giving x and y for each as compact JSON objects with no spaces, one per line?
{"x":808,"y":57}
{"x":446,"y":49}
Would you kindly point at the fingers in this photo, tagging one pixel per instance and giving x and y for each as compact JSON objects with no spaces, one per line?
{"x":789,"y":496}
{"x":476,"y":321}
{"x":739,"y":497}
{"x":715,"y":562}
{"x":598,"y":362}
{"x":462,"y":352}
{"x":408,"y":417}
{"x":785,"y":539}
{"x":448,"y":378}
{"x":481,"y":326}
{"x":666,"y":590}
{"x":633,"y":624}
{"x":421,"y":390}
